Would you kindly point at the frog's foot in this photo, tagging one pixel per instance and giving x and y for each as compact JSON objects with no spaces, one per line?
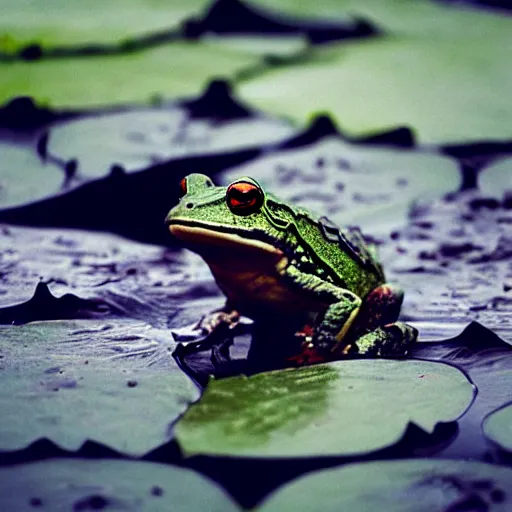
{"x":218,"y":320}
{"x":392,"y":340}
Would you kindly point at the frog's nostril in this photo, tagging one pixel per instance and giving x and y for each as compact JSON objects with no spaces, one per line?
{"x":189,"y":206}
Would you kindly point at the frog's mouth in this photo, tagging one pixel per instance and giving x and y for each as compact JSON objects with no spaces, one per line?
{"x":215,"y":240}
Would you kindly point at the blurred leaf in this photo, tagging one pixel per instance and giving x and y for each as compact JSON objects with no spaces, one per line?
{"x":496,"y":179}
{"x":24,"y":178}
{"x":399,"y":486}
{"x":62,"y":22}
{"x":422,"y":18}
{"x":378,"y":83}
{"x":364,"y":185}
{"x":108,"y":485}
{"x":497,"y":428}
{"x":173,"y":70}
{"x":142,"y":138}
{"x":342,"y":408}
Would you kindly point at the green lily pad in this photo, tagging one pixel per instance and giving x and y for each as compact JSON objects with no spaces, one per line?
{"x":416,"y":485}
{"x":383,"y":82}
{"x":115,"y":383}
{"x":420,"y":18}
{"x":372,"y":187}
{"x":174,"y":70}
{"x":287,"y":46}
{"x":342,"y":408}
{"x":24,"y":177}
{"x":497,"y":428}
{"x":58,"y":22}
{"x":495,"y":179}
{"x":138,"y":139}
{"x":108,"y":485}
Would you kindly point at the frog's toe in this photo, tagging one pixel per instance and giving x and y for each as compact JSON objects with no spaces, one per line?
{"x":391,"y":340}
{"x":216,"y":320}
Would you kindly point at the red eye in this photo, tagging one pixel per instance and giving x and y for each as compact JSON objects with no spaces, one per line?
{"x":183,"y":186}
{"x":244,"y":197}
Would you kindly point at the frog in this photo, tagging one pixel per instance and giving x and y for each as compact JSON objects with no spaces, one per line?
{"x":270,"y":257}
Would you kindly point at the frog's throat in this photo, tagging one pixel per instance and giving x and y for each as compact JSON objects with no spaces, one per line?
{"x":213,"y":237}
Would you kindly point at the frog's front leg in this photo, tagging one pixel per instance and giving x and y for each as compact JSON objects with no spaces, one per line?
{"x":342,"y":309}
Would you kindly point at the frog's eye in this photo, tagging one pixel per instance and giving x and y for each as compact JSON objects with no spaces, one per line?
{"x":183,"y":186}
{"x":244,"y":197}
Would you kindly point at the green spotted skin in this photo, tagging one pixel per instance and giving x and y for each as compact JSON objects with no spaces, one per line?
{"x":298,"y":262}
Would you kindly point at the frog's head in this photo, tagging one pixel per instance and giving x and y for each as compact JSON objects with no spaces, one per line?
{"x":223,"y":221}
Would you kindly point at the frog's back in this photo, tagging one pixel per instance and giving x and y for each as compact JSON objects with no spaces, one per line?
{"x":351,"y":258}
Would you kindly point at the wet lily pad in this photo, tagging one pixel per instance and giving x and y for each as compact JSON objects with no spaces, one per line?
{"x":497,"y":428}
{"x":419,"y":18}
{"x":369,"y":186}
{"x":210,"y":124}
{"x":343,"y":408}
{"x":496,"y":178}
{"x":461,"y":246}
{"x":399,"y":486}
{"x":488,"y":361}
{"x":267,"y":45}
{"x":107,"y":277}
{"x":64,"y":23}
{"x":24,"y":177}
{"x":379,"y":83}
{"x":108,"y":485}
{"x":174,"y":70}
{"x":71,"y":381}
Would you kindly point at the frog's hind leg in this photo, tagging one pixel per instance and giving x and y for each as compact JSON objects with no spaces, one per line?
{"x":380,"y":307}
{"x":391,"y":340}
{"x":376,"y":332}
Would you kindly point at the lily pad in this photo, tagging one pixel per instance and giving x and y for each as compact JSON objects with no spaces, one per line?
{"x":108,"y":485}
{"x":497,"y":428}
{"x":58,"y":22}
{"x":174,"y":70}
{"x":141,"y":138}
{"x":461,"y":246}
{"x":337,"y":409}
{"x":416,"y":485}
{"x":496,"y":179}
{"x":114,"y":383}
{"x":24,"y":177}
{"x":488,"y":361}
{"x":277,"y":45}
{"x":419,"y":18}
{"x":379,"y":83}
{"x":109,"y":276}
{"x":369,"y":186}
